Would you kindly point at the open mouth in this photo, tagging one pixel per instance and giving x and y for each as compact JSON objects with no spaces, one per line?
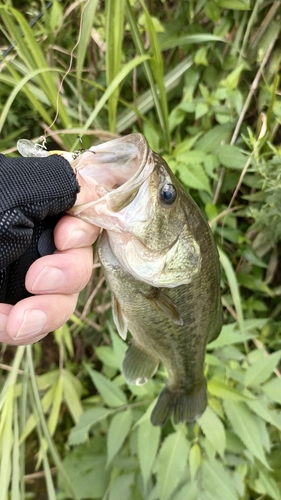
{"x":114,"y":163}
{"x":115,"y":171}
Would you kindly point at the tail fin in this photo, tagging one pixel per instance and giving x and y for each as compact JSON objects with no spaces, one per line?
{"x":182,"y":405}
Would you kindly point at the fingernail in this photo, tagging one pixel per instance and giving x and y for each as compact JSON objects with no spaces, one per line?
{"x":50,"y":278}
{"x":33,"y":323}
{"x":3,"y":323}
{"x":75,"y":238}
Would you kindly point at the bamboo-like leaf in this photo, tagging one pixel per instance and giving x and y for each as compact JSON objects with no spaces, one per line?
{"x":114,"y":37}
{"x":189,"y":40}
{"x":6,"y":443}
{"x":22,"y":86}
{"x":157,"y":66}
{"x":119,"y":429}
{"x":72,"y":391}
{"x":146,"y":101}
{"x":139,"y":45}
{"x":63,"y":335}
{"x":245,"y":425}
{"x":47,"y":470}
{"x":235,"y":4}
{"x":47,"y":438}
{"x":148,"y":442}
{"x":87,"y":24}
{"x":233,"y":285}
{"x":16,"y":455}
{"x":112,"y":87}
{"x":33,"y":57}
{"x":213,"y":429}
{"x":171,"y":463}
{"x":7,"y":404}
{"x":31,"y":423}
{"x":261,"y":370}
{"x":56,"y":406}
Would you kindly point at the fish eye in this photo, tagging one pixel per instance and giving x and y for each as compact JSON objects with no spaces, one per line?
{"x":168,"y":194}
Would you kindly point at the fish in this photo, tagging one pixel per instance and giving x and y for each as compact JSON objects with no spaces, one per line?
{"x":162,"y":267}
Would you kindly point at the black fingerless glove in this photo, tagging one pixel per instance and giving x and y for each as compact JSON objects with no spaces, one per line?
{"x":33,"y":194}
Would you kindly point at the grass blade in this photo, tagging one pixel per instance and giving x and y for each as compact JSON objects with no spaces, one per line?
{"x":87,"y":24}
{"x":139,"y":45}
{"x":114,"y":36}
{"x":114,"y":84}
{"x":234,"y":288}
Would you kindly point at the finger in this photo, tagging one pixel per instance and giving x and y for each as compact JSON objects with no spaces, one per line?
{"x":62,"y":272}
{"x":32,"y":318}
{"x":5,"y":309}
{"x":71,"y":232}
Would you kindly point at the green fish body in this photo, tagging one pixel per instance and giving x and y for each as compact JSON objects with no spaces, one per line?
{"x":172,"y":319}
{"x":161,"y":265}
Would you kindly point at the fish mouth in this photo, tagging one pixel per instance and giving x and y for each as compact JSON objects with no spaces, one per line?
{"x":116,"y":170}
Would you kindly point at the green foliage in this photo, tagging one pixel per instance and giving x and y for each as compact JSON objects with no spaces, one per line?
{"x":200,"y":80}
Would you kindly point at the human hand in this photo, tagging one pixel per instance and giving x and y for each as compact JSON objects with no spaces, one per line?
{"x":55,"y":280}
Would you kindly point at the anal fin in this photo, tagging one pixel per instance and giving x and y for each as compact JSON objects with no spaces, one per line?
{"x":138,"y":366}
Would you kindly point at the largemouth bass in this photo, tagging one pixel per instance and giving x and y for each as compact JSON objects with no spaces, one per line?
{"x":162,"y":267}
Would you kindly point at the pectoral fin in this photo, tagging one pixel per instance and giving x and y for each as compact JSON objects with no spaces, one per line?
{"x":164,"y":304}
{"x":138,"y":366}
{"x":119,"y":318}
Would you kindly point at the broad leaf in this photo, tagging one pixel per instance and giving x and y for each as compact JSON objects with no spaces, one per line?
{"x":194,"y":460}
{"x":119,"y":429}
{"x":187,"y":492}
{"x":268,"y":485}
{"x":193,"y":175}
{"x":259,"y":408}
{"x":272,"y":389}
{"x":213,"y":429}
{"x":231,"y":157}
{"x":120,"y":488}
{"x":148,"y":442}
{"x":246,"y":425}
{"x":220,"y":389}
{"x":260,"y":371}
{"x":171,"y":464}
{"x":87,"y":470}
{"x":79,"y":433}
{"x":110,"y":392}
{"x":214,"y":138}
{"x":217,"y":481}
